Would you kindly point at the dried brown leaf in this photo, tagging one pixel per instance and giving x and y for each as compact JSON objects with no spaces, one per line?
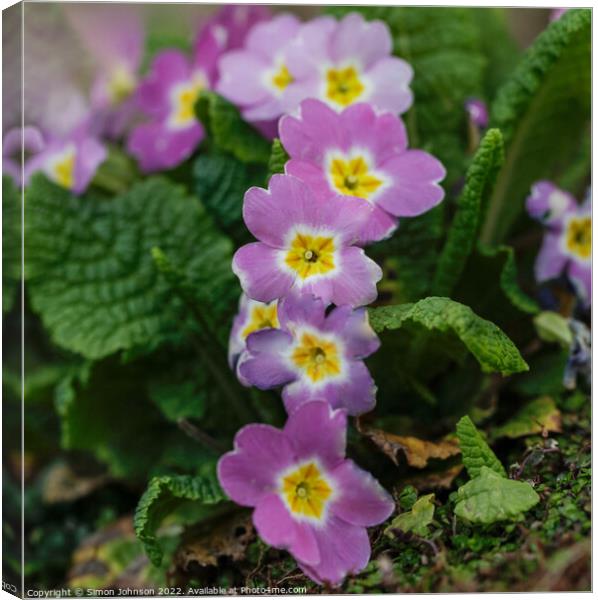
{"x":417,"y":452}
{"x":227,"y":539}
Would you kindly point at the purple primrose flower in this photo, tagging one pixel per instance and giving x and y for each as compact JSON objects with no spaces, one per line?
{"x":567,"y":246}
{"x":308,"y":498}
{"x":256,"y":77}
{"x":167,"y":96}
{"x":306,"y":244}
{"x":71,"y":162}
{"x":115,"y":38}
{"x":314,"y":355}
{"x":347,"y":61}
{"x":363,"y":154}
{"x":252,"y":316}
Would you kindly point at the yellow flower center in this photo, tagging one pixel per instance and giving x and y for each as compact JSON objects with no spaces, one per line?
{"x":282,"y":78}
{"x":63,"y":170}
{"x":311,"y":255}
{"x":352,"y":177}
{"x":262,"y":317}
{"x":317,"y":357}
{"x":343,"y":85}
{"x":306,"y":491}
{"x":121,"y":85}
{"x":185,"y":97}
{"x":579,"y":237}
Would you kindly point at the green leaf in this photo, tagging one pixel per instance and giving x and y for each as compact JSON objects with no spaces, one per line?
{"x":442,"y":46}
{"x":536,"y":416}
{"x":489,"y":498}
{"x":493,"y":350}
{"x":90,"y":272}
{"x":463,"y":232}
{"x":497,"y":45}
{"x":11,"y":242}
{"x":229,"y":132}
{"x":545,"y":376}
{"x":162,"y":497}
{"x":179,"y":400}
{"x":92,"y":402}
{"x":221,"y":182}
{"x":476,"y":452}
{"x":409,"y":260}
{"x":552,"y":327}
{"x":508,"y":277}
{"x":278,"y":158}
{"x":416,"y":520}
{"x":550,"y":85}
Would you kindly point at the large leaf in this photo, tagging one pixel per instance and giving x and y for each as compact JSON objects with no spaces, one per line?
{"x":442,"y":46}
{"x":90,"y":272}
{"x":221,"y":182}
{"x":475,"y":451}
{"x":463,"y":232}
{"x":11,"y":242}
{"x":162,"y":497}
{"x":229,"y":132}
{"x":490,"y":498}
{"x":493,"y":350}
{"x":542,"y":111}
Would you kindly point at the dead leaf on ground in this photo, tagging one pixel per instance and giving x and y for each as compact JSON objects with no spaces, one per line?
{"x":62,"y":484}
{"x":435,"y":480}
{"x":417,"y":452}
{"x":228,"y":539}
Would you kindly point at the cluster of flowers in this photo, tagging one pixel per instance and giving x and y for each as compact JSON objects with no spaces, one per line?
{"x":153,"y":114}
{"x":302,"y":324}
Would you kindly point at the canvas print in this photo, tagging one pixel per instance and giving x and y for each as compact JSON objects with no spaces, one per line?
{"x":296,"y":299}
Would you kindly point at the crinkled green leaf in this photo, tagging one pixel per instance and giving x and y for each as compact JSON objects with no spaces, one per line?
{"x":415,"y":520}
{"x":542,"y":111}
{"x":278,"y":158}
{"x":475,"y":450}
{"x":229,"y":132}
{"x":162,"y":497}
{"x":442,"y":46}
{"x":221,"y":182}
{"x":489,"y":498}
{"x":493,"y":350}
{"x":11,"y":242}
{"x":508,"y":277}
{"x":463,"y":231}
{"x":536,"y":416}
{"x":90,"y":271}
{"x":553,"y":327}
